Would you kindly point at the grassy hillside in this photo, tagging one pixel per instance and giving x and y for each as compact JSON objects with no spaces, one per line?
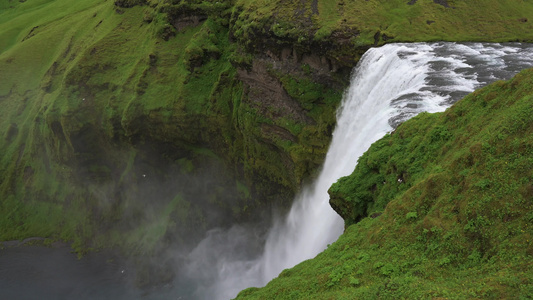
{"x":140,"y":124}
{"x":335,"y":28}
{"x":459,"y":224}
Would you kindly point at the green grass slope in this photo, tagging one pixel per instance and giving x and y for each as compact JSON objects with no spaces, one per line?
{"x":459,"y":225}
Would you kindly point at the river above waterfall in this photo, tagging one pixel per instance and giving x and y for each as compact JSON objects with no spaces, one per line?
{"x":390,"y":84}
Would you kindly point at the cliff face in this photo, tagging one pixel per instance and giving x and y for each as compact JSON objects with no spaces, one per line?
{"x":116,"y":114}
{"x":127,"y":123}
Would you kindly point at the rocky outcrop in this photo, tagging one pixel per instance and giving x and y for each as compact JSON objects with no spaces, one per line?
{"x":264,"y":92}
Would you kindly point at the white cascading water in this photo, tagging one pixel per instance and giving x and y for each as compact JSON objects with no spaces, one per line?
{"x":390,"y":84}
{"x":363,"y":118}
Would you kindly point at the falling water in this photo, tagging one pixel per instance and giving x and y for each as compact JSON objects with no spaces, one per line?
{"x":390,"y":85}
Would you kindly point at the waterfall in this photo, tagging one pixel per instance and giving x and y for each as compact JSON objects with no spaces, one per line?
{"x":389,"y":85}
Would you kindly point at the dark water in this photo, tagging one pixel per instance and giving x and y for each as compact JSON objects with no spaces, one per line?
{"x":36,"y":272}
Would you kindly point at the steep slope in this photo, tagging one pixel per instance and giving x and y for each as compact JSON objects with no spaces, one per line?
{"x":457,"y":225}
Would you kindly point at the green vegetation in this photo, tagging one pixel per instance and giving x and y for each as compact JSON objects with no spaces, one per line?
{"x":459,"y":223}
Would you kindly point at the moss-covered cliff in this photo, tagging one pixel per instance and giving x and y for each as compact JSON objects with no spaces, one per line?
{"x":457,"y":225}
{"x":138,"y":124}
{"x":109,"y":110}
